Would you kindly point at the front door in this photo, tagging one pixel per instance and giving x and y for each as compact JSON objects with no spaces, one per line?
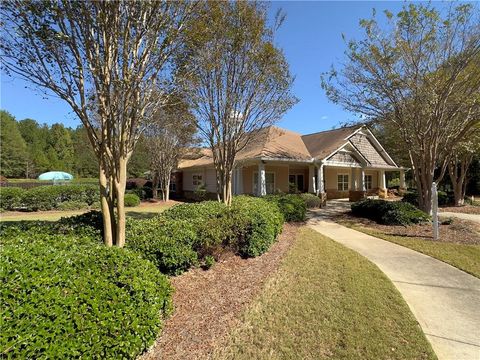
{"x":296,"y":183}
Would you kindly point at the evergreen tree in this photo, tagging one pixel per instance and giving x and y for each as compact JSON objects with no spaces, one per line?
{"x":13,"y":150}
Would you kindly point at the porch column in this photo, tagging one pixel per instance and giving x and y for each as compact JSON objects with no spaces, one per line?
{"x":403,"y":185}
{"x":262,"y":184}
{"x":353,"y":179}
{"x":311,"y":179}
{"x":362,"y":180}
{"x":382,"y":184}
{"x":240,"y":180}
{"x":320,"y":185}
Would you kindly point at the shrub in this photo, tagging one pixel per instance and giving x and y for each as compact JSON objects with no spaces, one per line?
{"x":389,"y":212}
{"x":90,"y":223}
{"x":168,"y":244}
{"x":11,"y":198}
{"x":311,"y":201}
{"x":257,"y":223}
{"x":211,"y":220}
{"x":66,"y":298}
{"x":72,"y":205}
{"x":131,"y":200}
{"x":411,"y":197}
{"x":292,"y":206}
{"x":209,"y":261}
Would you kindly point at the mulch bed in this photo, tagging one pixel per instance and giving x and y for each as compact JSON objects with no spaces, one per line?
{"x":459,"y":231}
{"x":209,"y":303}
{"x":466,"y":209}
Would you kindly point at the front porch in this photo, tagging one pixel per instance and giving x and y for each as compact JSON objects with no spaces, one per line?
{"x":329,"y":181}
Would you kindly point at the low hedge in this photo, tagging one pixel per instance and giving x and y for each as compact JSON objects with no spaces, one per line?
{"x":47,"y":197}
{"x":170,"y":245}
{"x":444,"y":198}
{"x":131,"y":200}
{"x":389,"y":212}
{"x":311,"y":201}
{"x":67,"y":297}
{"x":292,"y":206}
{"x":257,"y":223}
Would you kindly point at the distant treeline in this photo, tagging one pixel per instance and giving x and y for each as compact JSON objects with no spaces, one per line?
{"x":28,"y":149}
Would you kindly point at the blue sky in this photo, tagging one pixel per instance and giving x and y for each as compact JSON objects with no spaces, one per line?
{"x":311,"y":38}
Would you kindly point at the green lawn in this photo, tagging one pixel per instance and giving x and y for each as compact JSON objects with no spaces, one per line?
{"x":142,"y":211}
{"x":327,"y":302}
{"x":462,"y":256}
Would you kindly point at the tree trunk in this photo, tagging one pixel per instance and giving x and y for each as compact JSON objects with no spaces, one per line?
{"x":166,"y":191}
{"x":155,"y":181}
{"x":105,"y":201}
{"x":120,"y":185}
{"x":457,"y":169}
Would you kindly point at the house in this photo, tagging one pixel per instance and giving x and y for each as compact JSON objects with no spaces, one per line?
{"x":345,"y":162}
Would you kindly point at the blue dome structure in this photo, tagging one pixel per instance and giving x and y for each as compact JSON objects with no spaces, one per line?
{"x":55,"y":175}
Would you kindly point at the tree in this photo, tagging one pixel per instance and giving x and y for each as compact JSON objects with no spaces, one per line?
{"x":169,"y":136}
{"x":238,"y":81}
{"x":103,"y":58}
{"x":459,"y":164}
{"x":418,"y":75}
{"x":61,"y":144}
{"x":85,"y":161}
{"x":13,"y":150}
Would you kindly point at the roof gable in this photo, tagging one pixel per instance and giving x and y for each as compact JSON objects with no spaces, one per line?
{"x":364,"y":144}
{"x":324,"y":143}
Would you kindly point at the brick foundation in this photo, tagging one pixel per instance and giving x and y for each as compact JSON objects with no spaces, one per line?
{"x":356,"y":195}
{"x":382,"y":193}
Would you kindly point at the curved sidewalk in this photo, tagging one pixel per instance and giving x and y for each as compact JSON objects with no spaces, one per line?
{"x":445,"y":300}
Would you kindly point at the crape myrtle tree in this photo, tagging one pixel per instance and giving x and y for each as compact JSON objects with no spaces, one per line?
{"x":105,"y":59}
{"x":237,"y":81}
{"x":460,"y":161}
{"x":418,"y":75}
{"x":170,"y":133}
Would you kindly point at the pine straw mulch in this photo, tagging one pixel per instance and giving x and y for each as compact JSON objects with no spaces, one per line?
{"x":209,"y":303}
{"x":459,"y":231}
{"x":466,"y":209}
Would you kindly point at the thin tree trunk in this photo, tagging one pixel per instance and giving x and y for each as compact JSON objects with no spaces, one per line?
{"x":155,"y":181}
{"x":120,"y":197}
{"x":107,"y":215}
{"x":167,"y":189}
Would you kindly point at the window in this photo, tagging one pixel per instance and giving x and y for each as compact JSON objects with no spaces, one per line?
{"x":197,"y":180}
{"x":173,"y":187}
{"x":342,"y":182}
{"x":368,"y":182}
{"x":269,"y":182}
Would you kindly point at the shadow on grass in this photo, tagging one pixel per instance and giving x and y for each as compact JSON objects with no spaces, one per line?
{"x":141,"y":215}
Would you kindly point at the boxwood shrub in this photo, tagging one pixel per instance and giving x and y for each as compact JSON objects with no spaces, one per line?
{"x":311,"y":201}
{"x":170,"y":245}
{"x":66,"y":297}
{"x":257,"y":223}
{"x":292,"y":206}
{"x":443,"y":198}
{"x":389,"y":212}
{"x":131,"y":200}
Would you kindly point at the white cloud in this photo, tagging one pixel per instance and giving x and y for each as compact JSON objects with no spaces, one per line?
{"x":324,"y":117}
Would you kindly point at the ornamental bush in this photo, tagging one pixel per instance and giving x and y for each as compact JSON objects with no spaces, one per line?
{"x":311,"y":201}
{"x":72,"y":205}
{"x":131,"y":200}
{"x":444,"y":198}
{"x":66,"y":297}
{"x":169,"y":244}
{"x":389,"y":212}
{"x":256,"y":225}
{"x":292,"y":206}
{"x":11,"y":198}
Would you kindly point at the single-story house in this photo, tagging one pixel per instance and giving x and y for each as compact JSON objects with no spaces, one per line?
{"x":345,"y":162}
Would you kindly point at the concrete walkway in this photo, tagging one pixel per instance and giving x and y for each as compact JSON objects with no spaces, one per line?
{"x":445,"y":300}
{"x":471,"y":217}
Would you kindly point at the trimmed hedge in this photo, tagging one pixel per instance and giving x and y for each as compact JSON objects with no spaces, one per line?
{"x":47,"y":197}
{"x":311,"y":201}
{"x":131,"y":200}
{"x":389,"y":212}
{"x":67,"y":297}
{"x":444,"y":198}
{"x":257,"y":223}
{"x":292,"y":206}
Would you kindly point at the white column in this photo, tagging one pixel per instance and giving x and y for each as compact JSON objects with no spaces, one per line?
{"x":402,"y":179}
{"x":383,"y":183}
{"x":262,"y":184}
{"x":240,"y":180}
{"x":311,"y":179}
{"x":353,"y":179}
{"x":320,"y":184}
{"x":362,"y":179}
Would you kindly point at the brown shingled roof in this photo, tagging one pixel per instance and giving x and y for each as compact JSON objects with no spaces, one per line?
{"x":322,"y":144}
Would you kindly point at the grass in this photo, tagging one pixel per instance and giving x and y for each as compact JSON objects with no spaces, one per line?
{"x":145,"y":210}
{"x":462,"y":256}
{"x":326,"y":301}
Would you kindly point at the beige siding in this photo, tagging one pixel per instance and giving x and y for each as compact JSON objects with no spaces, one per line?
{"x":208,"y":179}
